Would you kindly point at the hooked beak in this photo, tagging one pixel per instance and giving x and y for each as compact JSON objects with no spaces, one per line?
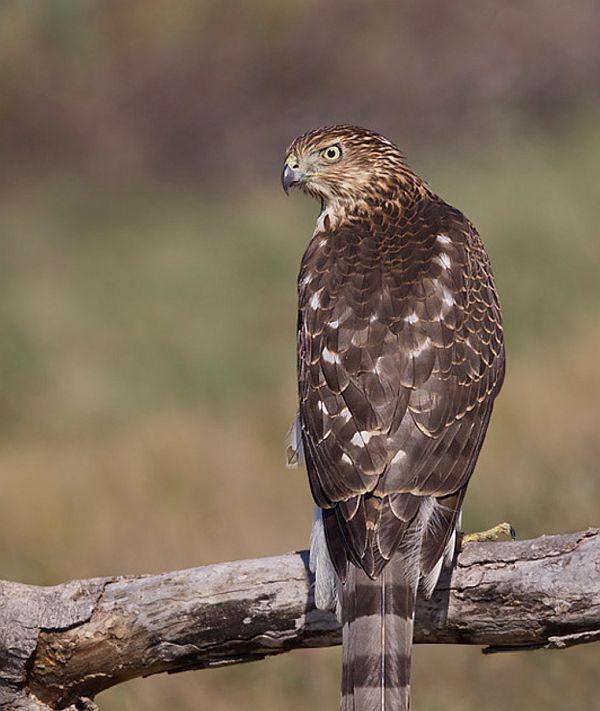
{"x":290,"y":177}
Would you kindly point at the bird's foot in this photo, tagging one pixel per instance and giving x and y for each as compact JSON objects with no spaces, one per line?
{"x":492,"y":534}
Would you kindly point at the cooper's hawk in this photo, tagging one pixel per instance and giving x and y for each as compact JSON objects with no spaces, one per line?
{"x":400,"y":357}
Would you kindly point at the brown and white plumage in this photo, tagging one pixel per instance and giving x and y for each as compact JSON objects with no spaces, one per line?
{"x":400,"y":357}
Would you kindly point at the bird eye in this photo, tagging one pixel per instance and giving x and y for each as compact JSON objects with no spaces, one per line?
{"x":331,"y":154}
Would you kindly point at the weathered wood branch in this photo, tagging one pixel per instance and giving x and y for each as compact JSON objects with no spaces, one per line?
{"x":60,"y":646}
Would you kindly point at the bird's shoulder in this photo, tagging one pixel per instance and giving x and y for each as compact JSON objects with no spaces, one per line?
{"x":414,"y":249}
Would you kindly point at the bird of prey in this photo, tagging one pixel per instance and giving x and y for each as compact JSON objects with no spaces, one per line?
{"x":400,"y":358}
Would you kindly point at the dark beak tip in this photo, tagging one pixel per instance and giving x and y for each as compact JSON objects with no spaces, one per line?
{"x":288,"y":178}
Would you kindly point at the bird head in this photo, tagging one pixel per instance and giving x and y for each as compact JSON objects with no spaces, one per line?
{"x":341,"y":163}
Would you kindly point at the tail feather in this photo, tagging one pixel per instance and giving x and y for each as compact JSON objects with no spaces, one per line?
{"x":377,"y":618}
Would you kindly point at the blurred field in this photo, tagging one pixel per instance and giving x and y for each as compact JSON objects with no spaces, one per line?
{"x":148,"y":377}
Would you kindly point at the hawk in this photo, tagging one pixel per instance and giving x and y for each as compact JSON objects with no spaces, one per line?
{"x":400,"y":357}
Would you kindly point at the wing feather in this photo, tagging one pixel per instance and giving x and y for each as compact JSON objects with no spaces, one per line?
{"x":400,"y":354}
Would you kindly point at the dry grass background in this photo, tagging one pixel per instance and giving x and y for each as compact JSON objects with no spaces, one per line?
{"x":147,"y":309}
{"x":148,"y":367}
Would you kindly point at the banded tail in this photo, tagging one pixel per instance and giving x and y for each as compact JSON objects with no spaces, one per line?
{"x":377,"y":618}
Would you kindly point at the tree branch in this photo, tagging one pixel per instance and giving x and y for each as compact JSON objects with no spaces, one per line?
{"x":60,"y":646}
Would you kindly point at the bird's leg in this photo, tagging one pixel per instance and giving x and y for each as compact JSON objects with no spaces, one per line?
{"x":492,"y":534}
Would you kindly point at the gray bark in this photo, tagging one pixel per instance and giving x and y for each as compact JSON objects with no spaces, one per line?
{"x":60,"y":646}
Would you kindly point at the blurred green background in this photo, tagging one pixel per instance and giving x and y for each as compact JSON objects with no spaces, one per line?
{"x":147,"y":289}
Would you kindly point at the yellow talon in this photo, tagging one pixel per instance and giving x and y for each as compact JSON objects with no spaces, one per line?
{"x":492,"y":534}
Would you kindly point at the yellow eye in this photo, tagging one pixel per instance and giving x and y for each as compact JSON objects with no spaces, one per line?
{"x":331,"y":154}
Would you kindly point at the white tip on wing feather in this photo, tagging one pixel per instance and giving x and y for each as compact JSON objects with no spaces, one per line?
{"x":444,"y":260}
{"x":398,"y":457}
{"x":330,"y":356}
{"x":359,"y":439}
{"x":447,"y":297}
{"x":345,"y":414}
{"x":315,"y":300}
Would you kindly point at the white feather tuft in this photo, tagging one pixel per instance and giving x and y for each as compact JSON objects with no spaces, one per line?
{"x":294,"y":453}
{"x":326,"y":580}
